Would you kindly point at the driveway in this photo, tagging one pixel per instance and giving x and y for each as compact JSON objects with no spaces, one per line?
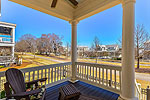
{"x":45,"y":58}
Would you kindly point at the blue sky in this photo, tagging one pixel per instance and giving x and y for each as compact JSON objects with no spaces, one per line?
{"x":107,"y":25}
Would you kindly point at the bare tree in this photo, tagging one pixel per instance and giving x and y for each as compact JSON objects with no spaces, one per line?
{"x":141,"y":36}
{"x":49,"y":43}
{"x":56,"y":42}
{"x":95,"y":46}
{"x":20,"y":46}
{"x":44,"y":44}
{"x":119,"y":42}
{"x":29,"y":41}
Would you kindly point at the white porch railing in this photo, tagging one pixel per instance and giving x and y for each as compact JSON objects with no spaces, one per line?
{"x":145,"y":94}
{"x":55,"y":74}
{"x":5,"y":40}
{"x":138,"y":90}
{"x":103,"y":76}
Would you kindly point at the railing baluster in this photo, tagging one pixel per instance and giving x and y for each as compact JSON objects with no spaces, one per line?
{"x":55,"y":75}
{"x":103,"y":76}
{"x":96,"y":74}
{"x":115,"y":78}
{"x":52,"y":75}
{"x":29,"y":76}
{"x":93,"y":74}
{"x":45,"y":75}
{"x":120,"y":79}
{"x":60,"y":72}
{"x":48,"y":75}
{"x":85,"y":72}
{"x":90,"y":74}
{"x":82,"y":71}
{"x":38,"y":74}
{"x":33,"y":75}
{"x":59,"y":69}
{"x":42,"y":73}
{"x":68,"y":71}
{"x":110,"y":77}
{"x":65,"y":71}
{"x":99,"y":75}
{"x":106,"y":77}
{"x":77,"y":70}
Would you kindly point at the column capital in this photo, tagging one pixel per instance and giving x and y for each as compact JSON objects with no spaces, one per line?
{"x":124,"y":2}
{"x":74,"y":21}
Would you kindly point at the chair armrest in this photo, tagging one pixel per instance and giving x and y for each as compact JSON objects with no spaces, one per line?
{"x":36,"y":81}
{"x":22,"y":94}
{"x":7,"y":89}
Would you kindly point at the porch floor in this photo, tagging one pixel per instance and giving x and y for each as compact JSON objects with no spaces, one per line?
{"x":86,"y":89}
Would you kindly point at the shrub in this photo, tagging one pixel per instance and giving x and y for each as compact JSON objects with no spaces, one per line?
{"x":3,"y":94}
{"x":1,"y":66}
{"x":116,"y":58}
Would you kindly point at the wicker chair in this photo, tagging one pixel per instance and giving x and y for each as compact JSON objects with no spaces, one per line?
{"x":16,"y":81}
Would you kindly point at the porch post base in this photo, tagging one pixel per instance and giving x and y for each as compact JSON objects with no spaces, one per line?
{"x":73,"y":80}
{"x":123,"y":98}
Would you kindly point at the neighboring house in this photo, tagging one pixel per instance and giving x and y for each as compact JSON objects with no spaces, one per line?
{"x":112,"y":48}
{"x":67,"y":51}
{"x":108,"y":51}
{"x":102,"y":48}
{"x":7,"y":40}
{"x":146,"y":51}
{"x":81,"y":50}
{"x":104,"y":51}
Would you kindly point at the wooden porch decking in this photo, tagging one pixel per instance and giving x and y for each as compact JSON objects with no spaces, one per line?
{"x":85,"y":88}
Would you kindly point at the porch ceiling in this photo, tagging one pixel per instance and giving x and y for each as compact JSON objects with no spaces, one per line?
{"x":65,"y":11}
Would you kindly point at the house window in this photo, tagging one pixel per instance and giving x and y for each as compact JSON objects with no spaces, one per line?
{"x":5,"y":30}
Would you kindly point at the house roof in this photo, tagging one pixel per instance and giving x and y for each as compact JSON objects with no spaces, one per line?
{"x":65,"y":11}
{"x":147,"y":42}
{"x":112,"y":45}
{"x":7,"y":24}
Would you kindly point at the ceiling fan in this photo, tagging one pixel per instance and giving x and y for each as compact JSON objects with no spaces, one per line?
{"x":54,"y":2}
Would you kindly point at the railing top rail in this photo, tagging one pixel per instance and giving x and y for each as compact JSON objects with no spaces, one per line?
{"x":6,"y":37}
{"x":106,"y":66}
{"x":39,"y":68}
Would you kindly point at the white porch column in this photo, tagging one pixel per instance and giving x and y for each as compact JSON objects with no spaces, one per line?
{"x":128,"y":71}
{"x":13,"y":41}
{"x":12,"y":51}
{"x":74,"y":48}
{"x":13,"y":35}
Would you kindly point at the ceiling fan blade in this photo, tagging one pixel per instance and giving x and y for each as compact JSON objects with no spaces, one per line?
{"x":74,"y":2}
{"x":54,"y":2}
